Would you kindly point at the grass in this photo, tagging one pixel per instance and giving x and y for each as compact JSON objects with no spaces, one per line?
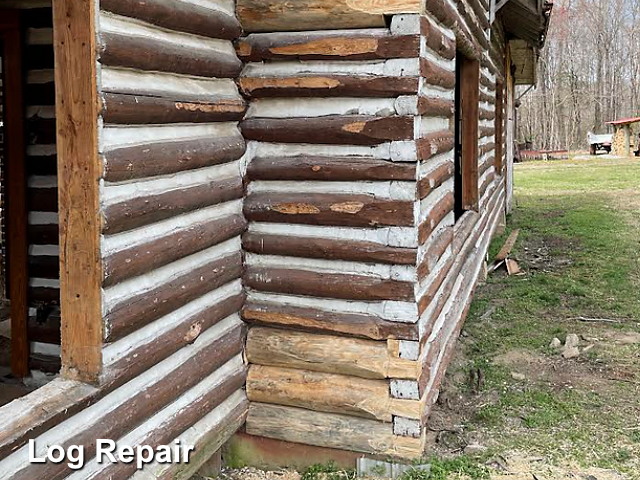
{"x":579,"y":244}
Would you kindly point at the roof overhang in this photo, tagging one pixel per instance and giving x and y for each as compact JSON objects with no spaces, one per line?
{"x":524,"y":59}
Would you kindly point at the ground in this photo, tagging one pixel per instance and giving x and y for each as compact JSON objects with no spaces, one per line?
{"x":511,"y":406}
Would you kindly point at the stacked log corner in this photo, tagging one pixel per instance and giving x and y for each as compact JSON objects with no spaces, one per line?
{"x":357,"y":277}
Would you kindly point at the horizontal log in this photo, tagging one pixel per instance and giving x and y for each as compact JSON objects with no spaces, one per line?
{"x":434,"y":144}
{"x":486,"y":132}
{"x":434,"y":179}
{"x":44,"y":266}
{"x":434,"y":74}
{"x":163,"y":158}
{"x":278,"y":15}
{"x":41,"y":131}
{"x":474,"y":27}
{"x":327,"y":209}
{"x":435,"y":107}
{"x":429,"y":294}
{"x":440,"y":210}
{"x":45,"y":363}
{"x":143,"y":210}
{"x":41,"y":164}
{"x":139,"y":310}
{"x":322,"y":284}
{"x":38,"y":57}
{"x":333,"y":169}
{"x":328,"y":86}
{"x":436,"y":249}
{"x":322,"y":321}
{"x":155,"y":54}
{"x":330,"y":430}
{"x":486,"y":148}
{"x":182,"y":16}
{"x":486,"y":82}
{"x":44,"y":294}
{"x":485,"y":184}
{"x":325,"y":248}
{"x":47,"y":331}
{"x":326,"y":353}
{"x":43,"y":234}
{"x":338,"y":129}
{"x":488,"y":163}
{"x":320,"y":392}
{"x":372,"y":45}
{"x":40,"y":94}
{"x":153,"y":254}
{"x":138,"y":109}
{"x":487,"y":114}
{"x":437,"y":41}
{"x":42,"y":199}
{"x":446,"y":14}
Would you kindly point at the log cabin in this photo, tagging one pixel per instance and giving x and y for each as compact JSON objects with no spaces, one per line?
{"x":253,"y":219}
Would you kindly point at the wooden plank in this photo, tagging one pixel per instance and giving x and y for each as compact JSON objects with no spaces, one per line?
{"x":324,"y":284}
{"x":179,"y":15}
{"x":164,"y":158}
{"x":328,"y":86}
{"x":434,"y":144}
{"x":278,"y":15}
{"x":145,"y":209}
{"x":15,"y":208}
{"x":326,"y":321}
{"x":139,"y":310}
{"x":332,"y":130}
{"x":330,"y":430}
{"x":148,"y":256}
{"x":140,"y":109}
{"x":331,"y":249}
{"x":507,"y":247}
{"x":333,"y":169}
{"x":326,"y":353}
{"x":328,"y":45}
{"x":327,"y":209}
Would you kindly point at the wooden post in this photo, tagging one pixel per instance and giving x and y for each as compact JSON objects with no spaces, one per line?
{"x":16,"y":191}
{"x":78,"y":188}
{"x":627,"y":140}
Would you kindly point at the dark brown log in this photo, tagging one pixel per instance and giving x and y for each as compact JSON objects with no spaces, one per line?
{"x":485,"y":184}
{"x":45,"y":332}
{"x":463,"y":229}
{"x":436,"y":40}
{"x":378,"y":44}
{"x":438,"y":246}
{"x":429,"y":295}
{"x":43,"y":234}
{"x":148,"y":256}
{"x":486,"y":148}
{"x":435,"y":143}
{"x":44,"y":266}
{"x":445,"y":13}
{"x":484,"y":166}
{"x":41,"y":131}
{"x":438,"y":212}
{"x":44,"y":294}
{"x":139,"y":109}
{"x":332,"y":285}
{"x":476,"y":30}
{"x":309,"y":247}
{"x":163,"y":158}
{"x":327,"y":209}
{"x":329,"y":168}
{"x":155,"y":54}
{"x":335,"y":129}
{"x":328,"y":86}
{"x":45,"y":363}
{"x":486,"y":132}
{"x":42,"y":199}
{"x":434,"y":179}
{"x":185,"y":17}
{"x":136,"y":312}
{"x":40,"y":17}
{"x":486,"y":114}
{"x":313,"y":320}
{"x":40,"y":93}
{"x":38,"y":57}
{"x":436,"y":75}
{"x":435,"y":107}
{"x":42,"y":165}
{"x":485,"y":81}
{"x":143,"y":210}
{"x":144,"y":357}
{"x":481,"y":13}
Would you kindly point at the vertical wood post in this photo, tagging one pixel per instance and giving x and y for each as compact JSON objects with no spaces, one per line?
{"x":627,"y":140}
{"x":499,"y":139}
{"x":16,"y":191}
{"x":78,"y":188}
{"x":469,"y":98}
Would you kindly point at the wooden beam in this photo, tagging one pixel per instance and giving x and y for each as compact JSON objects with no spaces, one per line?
{"x":15,"y":197}
{"x":79,"y":171}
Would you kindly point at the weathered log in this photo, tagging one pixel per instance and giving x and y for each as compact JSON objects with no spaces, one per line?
{"x":372,"y":45}
{"x":327,"y":209}
{"x":328,"y":86}
{"x":143,"y":210}
{"x":475,"y":29}
{"x":163,"y":158}
{"x":463,"y":228}
{"x":42,"y":199}
{"x":44,"y":294}
{"x":322,"y":321}
{"x":434,"y":285}
{"x":445,"y":13}
{"x":38,"y":57}
{"x":338,"y":129}
{"x":436,"y":40}
{"x":278,"y":15}
{"x":41,"y":164}
{"x":155,"y":54}
{"x":486,"y":132}
{"x":434,"y":179}
{"x":487,"y":114}
{"x":44,"y":266}
{"x":45,"y":363}
{"x":40,"y":93}
{"x":333,"y":249}
{"x":330,"y":430}
{"x":486,"y":148}
{"x":326,"y":353}
{"x":322,"y":284}
{"x":40,"y":131}
{"x":438,"y":246}
{"x":438,"y":212}
{"x":435,"y":143}
{"x":43,"y":234}
{"x":44,"y":332}
{"x":139,"y":109}
{"x":333,"y":169}
{"x":488,"y":180}
{"x":135,"y":312}
{"x":148,"y":256}
{"x":487,"y":82}
{"x":434,"y":74}
{"x":435,"y":107}
{"x":182,"y":16}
